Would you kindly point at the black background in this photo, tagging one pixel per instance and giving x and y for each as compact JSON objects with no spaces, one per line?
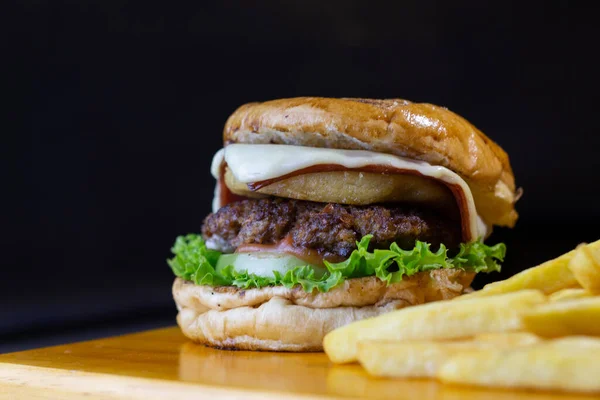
{"x":118,"y":107}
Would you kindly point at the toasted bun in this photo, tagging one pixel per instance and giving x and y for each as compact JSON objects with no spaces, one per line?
{"x":416,"y":130}
{"x":282,"y":319}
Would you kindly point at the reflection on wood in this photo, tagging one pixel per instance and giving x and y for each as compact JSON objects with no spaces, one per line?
{"x":163,"y":364}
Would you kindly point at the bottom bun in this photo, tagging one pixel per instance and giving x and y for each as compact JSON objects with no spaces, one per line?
{"x":277,"y":325}
{"x":280,"y":324}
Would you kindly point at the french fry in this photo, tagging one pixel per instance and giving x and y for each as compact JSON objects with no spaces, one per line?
{"x":421,"y":359}
{"x":507,"y":339}
{"x":578,"y":341}
{"x":563,"y":318}
{"x":565,"y":364}
{"x":585,"y":266}
{"x":568,"y":294}
{"x":549,"y":277}
{"x":410,"y":359}
{"x":442,"y":320}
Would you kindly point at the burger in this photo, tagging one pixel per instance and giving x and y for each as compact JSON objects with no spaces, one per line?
{"x":327,"y":211}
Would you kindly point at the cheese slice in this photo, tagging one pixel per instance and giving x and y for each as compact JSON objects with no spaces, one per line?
{"x":260,"y":162}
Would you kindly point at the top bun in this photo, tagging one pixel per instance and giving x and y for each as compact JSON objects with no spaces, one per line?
{"x":420,"y":131}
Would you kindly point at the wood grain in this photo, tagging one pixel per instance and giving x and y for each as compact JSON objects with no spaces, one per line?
{"x":162,"y":364}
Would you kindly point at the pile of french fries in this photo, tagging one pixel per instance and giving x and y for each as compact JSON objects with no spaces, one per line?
{"x":539,"y":329}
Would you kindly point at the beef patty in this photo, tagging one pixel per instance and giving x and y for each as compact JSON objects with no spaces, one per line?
{"x":330,"y":229}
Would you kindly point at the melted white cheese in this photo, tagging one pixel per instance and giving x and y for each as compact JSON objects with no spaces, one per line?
{"x":215,"y":170}
{"x":217,"y":161}
{"x":259,"y":162}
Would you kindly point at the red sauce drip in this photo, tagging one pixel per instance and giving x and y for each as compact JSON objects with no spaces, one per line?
{"x":226,"y":196}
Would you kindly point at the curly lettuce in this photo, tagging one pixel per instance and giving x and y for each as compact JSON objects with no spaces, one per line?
{"x":193,"y":261}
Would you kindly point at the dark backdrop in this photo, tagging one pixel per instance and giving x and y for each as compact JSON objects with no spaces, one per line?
{"x":118,"y":107}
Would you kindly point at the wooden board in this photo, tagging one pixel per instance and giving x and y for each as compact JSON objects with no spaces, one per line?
{"x":162,"y":364}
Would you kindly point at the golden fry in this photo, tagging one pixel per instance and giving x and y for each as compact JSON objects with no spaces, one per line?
{"x":507,"y":339}
{"x":563,"y":318}
{"x":585,"y":266}
{"x":441,"y":320}
{"x":422,"y":359}
{"x":565,"y":364}
{"x":410,"y":359}
{"x":569,"y":294}
{"x":549,"y":277}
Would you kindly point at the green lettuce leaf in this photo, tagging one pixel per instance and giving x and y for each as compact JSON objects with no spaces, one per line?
{"x":479,"y":257}
{"x":193,"y":261}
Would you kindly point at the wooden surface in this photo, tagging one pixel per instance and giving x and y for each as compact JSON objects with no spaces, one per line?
{"x":162,"y":364}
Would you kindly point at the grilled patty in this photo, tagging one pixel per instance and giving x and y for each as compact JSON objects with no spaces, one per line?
{"x":330,"y":229}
